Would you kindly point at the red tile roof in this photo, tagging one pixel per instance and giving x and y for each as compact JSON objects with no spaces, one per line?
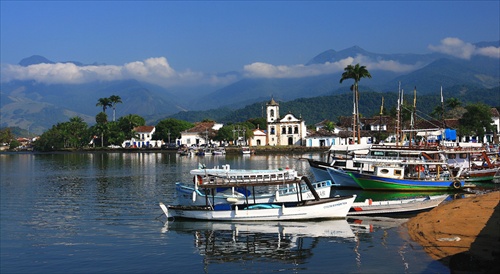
{"x":144,"y":129}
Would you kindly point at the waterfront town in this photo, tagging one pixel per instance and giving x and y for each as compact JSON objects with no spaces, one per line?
{"x":292,"y":131}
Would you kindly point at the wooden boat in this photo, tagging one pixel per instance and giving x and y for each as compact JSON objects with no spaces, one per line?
{"x":409,"y":176}
{"x":187,"y":195}
{"x":409,"y":205}
{"x":362,"y":158}
{"x":474,"y":165}
{"x":328,"y":208}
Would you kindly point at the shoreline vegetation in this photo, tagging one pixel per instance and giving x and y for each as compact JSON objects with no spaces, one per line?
{"x":463,"y":234}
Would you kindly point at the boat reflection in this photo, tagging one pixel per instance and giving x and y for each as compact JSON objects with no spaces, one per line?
{"x":283,"y":241}
{"x":365,"y":224}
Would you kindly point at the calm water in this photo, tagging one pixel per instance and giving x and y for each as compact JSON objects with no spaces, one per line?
{"x":98,"y":212}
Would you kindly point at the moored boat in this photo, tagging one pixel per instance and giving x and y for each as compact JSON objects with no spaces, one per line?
{"x":329,"y":208}
{"x":409,"y":176}
{"x":408,"y":205}
{"x":299,"y":209}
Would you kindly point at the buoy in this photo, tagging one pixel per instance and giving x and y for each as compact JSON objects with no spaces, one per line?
{"x":457,"y":185}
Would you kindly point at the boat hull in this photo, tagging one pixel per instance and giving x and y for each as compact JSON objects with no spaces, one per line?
{"x":483,"y":175}
{"x":373,"y":182}
{"x":331,"y":208}
{"x":340,"y":178}
{"x":411,"y":205}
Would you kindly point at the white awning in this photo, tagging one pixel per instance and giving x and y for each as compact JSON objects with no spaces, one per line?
{"x":430,"y":133}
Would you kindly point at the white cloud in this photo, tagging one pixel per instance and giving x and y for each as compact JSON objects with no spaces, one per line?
{"x":263,"y":70}
{"x":492,"y":52}
{"x":152,"y":70}
{"x":458,"y":48}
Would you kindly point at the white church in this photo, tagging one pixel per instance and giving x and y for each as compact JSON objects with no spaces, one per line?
{"x":286,"y":131}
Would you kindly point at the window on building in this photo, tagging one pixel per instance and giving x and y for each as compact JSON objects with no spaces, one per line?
{"x":272,"y":130}
{"x":290,"y":130}
{"x":271,"y":113}
{"x":283,"y":130}
{"x":296,"y":130}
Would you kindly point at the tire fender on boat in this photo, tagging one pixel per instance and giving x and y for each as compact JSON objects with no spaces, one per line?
{"x":457,"y":185}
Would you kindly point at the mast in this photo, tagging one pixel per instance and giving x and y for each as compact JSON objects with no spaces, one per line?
{"x":354,"y":115}
{"x":412,"y":122}
{"x":442,"y":109}
{"x":380,"y":118}
{"x":397,"y":114}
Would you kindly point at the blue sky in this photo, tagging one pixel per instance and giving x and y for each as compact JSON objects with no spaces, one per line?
{"x":177,"y":42}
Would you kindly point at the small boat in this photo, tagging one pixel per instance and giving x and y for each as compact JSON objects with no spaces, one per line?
{"x":246,"y":150}
{"x":408,"y":205}
{"x":409,"y":176}
{"x":219,"y":151}
{"x":327,"y":208}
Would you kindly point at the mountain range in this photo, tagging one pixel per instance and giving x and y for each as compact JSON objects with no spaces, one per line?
{"x":37,"y":106}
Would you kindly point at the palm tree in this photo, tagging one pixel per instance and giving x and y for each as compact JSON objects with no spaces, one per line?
{"x":104,"y":103}
{"x":114,"y":99}
{"x":356,"y":73}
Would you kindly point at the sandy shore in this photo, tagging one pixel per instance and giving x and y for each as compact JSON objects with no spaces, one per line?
{"x":463,"y":234}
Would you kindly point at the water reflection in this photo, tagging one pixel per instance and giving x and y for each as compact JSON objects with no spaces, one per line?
{"x":276,"y":241}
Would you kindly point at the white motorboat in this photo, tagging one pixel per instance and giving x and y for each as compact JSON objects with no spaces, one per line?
{"x":299,"y":209}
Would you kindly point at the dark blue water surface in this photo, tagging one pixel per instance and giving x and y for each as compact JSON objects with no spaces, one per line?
{"x":98,"y":212}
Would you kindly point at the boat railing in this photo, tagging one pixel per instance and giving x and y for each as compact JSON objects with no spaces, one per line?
{"x":397,"y":159}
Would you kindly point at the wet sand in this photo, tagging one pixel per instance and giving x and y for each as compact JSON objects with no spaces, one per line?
{"x":463,"y":234}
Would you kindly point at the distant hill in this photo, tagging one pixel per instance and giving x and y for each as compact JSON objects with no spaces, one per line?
{"x":331,"y":107}
{"x":27,"y":102}
{"x":435,"y":70}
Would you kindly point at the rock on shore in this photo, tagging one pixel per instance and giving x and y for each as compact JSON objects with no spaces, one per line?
{"x":463,"y":234}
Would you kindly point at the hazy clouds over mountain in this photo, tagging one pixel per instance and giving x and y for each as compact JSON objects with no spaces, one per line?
{"x":158,"y":71}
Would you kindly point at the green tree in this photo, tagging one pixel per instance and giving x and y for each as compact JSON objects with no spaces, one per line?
{"x":127,"y":124}
{"x":260,"y":122}
{"x":170,"y":129}
{"x":115,"y":134}
{"x":231,"y":132}
{"x":101,"y":126}
{"x":356,"y":73}
{"x":76,"y":133}
{"x":453,"y":103}
{"x":114,"y":99}
{"x":477,"y":121}
{"x":6,"y":135}
{"x":14,"y":144}
{"x":104,"y":103}
{"x":330,"y":126}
